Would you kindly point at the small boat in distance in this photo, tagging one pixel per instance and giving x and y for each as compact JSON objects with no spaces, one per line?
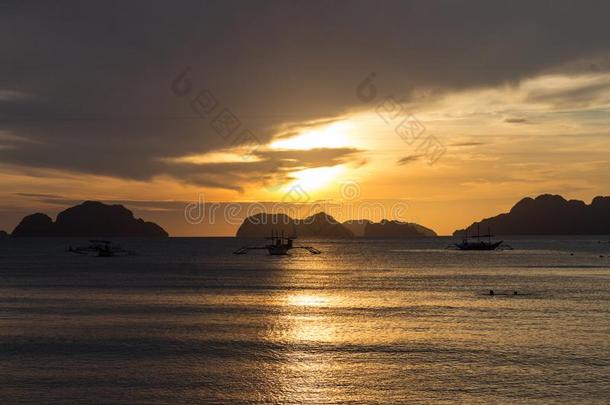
{"x":279,"y":246}
{"x":101,"y":248}
{"x":479,"y":244}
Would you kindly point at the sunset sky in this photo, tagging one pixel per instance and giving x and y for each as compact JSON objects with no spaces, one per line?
{"x":506,"y":100}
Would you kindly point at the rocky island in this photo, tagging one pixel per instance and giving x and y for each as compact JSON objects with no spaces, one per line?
{"x":396,"y":230}
{"x":548,"y":215}
{"x":89,"y":219}
{"x":322,"y":225}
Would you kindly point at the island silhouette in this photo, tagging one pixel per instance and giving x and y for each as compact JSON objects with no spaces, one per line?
{"x":317,"y":225}
{"x":89,"y":219}
{"x":548,"y":215}
{"x":322,"y":225}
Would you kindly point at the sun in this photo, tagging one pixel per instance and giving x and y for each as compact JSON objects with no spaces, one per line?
{"x":330,"y":136}
{"x":317,"y":178}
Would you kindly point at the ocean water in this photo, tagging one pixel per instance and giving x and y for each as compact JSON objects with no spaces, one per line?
{"x":185,"y":321}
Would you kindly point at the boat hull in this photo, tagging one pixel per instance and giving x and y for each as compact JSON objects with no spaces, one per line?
{"x":278,"y":250}
{"x":478,"y":245}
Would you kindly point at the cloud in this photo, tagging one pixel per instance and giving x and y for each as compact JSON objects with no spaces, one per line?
{"x":515,"y":120}
{"x":464,"y":144}
{"x":408,"y":159}
{"x":102,"y":74}
{"x":572,"y":92}
{"x":13,"y":95}
{"x":311,"y":158}
{"x":149,"y":205}
{"x":40,"y":195}
{"x":289,"y":130}
{"x":267,"y":164}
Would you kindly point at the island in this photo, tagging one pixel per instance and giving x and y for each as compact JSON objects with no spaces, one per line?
{"x":89,"y":219}
{"x":387,"y":229}
{"x":396,"y":230}
{"x":322,"y":225}
{"x":548,"y":215}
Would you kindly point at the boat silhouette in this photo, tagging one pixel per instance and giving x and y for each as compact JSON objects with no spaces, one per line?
{"x":279,"y":246}
{"x":480,"y":243}
{"x":101,"y":248}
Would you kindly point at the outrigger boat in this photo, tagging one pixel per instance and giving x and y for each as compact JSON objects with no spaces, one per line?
{"x":279,"y":246}
{"x":101,"y":248}
{"x":480,"y":244}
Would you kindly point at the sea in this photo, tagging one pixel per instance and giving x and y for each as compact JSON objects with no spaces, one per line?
{"x":185,"y":321}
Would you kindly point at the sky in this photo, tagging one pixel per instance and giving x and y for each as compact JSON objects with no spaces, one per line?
{"x":435,"y":112}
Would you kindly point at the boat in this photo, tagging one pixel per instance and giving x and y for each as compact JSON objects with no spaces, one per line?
{"x":279,"y":246}
{"x":101,"y":248}
{"x":479,"y":243}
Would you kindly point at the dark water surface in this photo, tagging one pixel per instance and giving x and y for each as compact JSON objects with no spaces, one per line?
{"x":185,"y":321}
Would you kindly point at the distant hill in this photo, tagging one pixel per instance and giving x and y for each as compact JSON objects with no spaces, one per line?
{"x":322,"y":225}
{"x":89,"y":219}
{"x":396,"y":230}
{"x":549,"y":215}
{"x":357,"y":226}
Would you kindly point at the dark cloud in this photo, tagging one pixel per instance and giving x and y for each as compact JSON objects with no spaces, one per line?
{"x":408,"y":159}
{"x":515,"y":120}
{"x":39,"y":195}
{"x":89,"y":86}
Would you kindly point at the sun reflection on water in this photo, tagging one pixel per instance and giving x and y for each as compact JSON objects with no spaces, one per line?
{"x":303,"y":328}
{"x":307,"y":300}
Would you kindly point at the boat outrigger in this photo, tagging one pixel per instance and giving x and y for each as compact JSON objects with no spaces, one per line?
{"x":279,"y":246}
{"x":480,"y":244}
{"x":101,"y":248}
